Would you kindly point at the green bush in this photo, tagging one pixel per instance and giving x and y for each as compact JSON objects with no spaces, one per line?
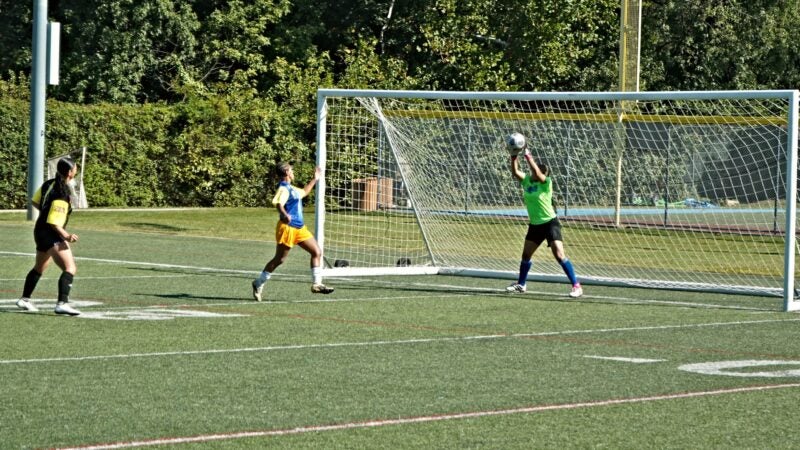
{"x":213,"y":150}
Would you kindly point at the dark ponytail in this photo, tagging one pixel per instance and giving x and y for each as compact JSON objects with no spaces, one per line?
{"x":63,"y":168}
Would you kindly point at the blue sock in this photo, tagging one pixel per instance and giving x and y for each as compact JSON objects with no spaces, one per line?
{"x":262,"y":278}
{"x":566,"y":264}
{"x":524,"y":268}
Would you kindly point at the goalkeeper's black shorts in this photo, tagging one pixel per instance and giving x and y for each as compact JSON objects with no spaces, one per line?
{"x":549,"y":230}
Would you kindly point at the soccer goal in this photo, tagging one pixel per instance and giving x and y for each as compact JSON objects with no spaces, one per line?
{"x":79,"y":197}
{"x":675,"y":190}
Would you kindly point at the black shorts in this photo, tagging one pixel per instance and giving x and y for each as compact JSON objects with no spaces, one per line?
{"x":46,"y":238}
{"x":549,"y":230}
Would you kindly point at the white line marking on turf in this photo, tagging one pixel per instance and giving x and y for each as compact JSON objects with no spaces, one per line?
{"x":624,"y":300}
{"x":623,"y":359}
{"x":379,"y":343}
{"x":472,"y":289}
{"x":125,"y":277}
{"x":424,"y":419}
{"x":146,"y":264}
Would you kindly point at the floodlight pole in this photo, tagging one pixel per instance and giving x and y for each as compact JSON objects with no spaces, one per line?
{"x":630,"y":30}
{"x":38,"y":72}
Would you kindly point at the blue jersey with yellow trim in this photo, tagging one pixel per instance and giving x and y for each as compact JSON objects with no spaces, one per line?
{"x":290,"y":197}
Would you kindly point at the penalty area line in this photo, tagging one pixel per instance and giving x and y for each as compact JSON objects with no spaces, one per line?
{"x":423,"y":419}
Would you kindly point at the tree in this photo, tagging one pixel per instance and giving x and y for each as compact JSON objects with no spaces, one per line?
{"x":506,"y":45}
{"x":237,"y":41}
{"x":16,"y":21}
{"x":702,"y":45}
{"x":125,"y":51}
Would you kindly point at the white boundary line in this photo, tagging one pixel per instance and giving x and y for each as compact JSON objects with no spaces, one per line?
{"x":398,"y":342}
{"x":474,"y":290}
{"x":146,"y":264}
{"x":424,"y":419}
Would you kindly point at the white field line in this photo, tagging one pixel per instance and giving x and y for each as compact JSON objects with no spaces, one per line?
{"x":126,"y":277}
{"x":120,"y":209}
{"x":474,"y":290}
{"x":146,"y":264}
{"x":185,"y":237}
{"x":397,"y":342}
{"x":424,"y":419}
{"x":624,"y":359}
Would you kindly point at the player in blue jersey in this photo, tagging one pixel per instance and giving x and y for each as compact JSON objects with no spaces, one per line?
{"x":538,"y":195}
{"x":291,"y":231}
{"x":52,"y":239}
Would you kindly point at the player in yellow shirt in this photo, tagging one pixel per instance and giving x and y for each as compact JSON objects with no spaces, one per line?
{"x":544,"y":225}
{"x":52,"y":239}
{"x":291,"y":231}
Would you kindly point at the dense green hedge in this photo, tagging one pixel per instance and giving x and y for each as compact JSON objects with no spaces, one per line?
{"x":212,"y":151}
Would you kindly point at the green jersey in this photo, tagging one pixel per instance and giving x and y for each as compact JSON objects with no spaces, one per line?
{"x":538,"y":199}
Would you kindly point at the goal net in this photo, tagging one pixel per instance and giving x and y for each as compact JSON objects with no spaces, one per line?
{"x":676,"y":190}
{"x":78,"y":199}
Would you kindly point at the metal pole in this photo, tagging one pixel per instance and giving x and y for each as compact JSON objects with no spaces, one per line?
{"x":38,"y":82}
{"x":322,"y":162}
{"x":468,"y":187}
{"x":570,"y":126}
{"x":777,"y":183}
{"x":789,"y":301}
{"x":666,"y":190}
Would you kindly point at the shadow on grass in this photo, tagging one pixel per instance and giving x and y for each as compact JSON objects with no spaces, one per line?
{"x":187,"y":296}
{"x":148,"y":226}
{"x":382,"y":288}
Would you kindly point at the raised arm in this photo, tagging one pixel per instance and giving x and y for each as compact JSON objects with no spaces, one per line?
{"x":518,"y":174}
{"x":535,"y":170}
{"x":317,"y":175}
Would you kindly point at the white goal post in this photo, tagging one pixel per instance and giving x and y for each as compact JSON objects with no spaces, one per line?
{"x":675,"y":190}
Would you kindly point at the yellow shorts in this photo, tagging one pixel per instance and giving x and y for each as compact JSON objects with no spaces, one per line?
{"x":290,"y":236}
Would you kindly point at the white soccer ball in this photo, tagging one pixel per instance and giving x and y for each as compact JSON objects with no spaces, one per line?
{"x":515,"y":143}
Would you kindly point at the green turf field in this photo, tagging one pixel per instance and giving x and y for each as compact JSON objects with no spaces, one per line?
{"x":171,"y":350}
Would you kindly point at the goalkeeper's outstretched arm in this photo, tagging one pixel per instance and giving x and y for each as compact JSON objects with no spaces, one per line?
{"x":539,"y":173}
{"x":518,"y":174}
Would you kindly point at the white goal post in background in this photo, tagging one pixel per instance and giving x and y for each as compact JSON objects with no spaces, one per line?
{"x":79,"y":156}
{"x":675,"y":190}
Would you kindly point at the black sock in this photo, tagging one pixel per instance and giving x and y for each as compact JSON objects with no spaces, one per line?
{"x":30,"y":283}
{"x":64,"y":286}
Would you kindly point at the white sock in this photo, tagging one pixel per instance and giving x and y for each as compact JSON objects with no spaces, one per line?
{"x":316,"y":275}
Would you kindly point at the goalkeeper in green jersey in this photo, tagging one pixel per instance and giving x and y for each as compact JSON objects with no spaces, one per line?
{"x":538,"y":194}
